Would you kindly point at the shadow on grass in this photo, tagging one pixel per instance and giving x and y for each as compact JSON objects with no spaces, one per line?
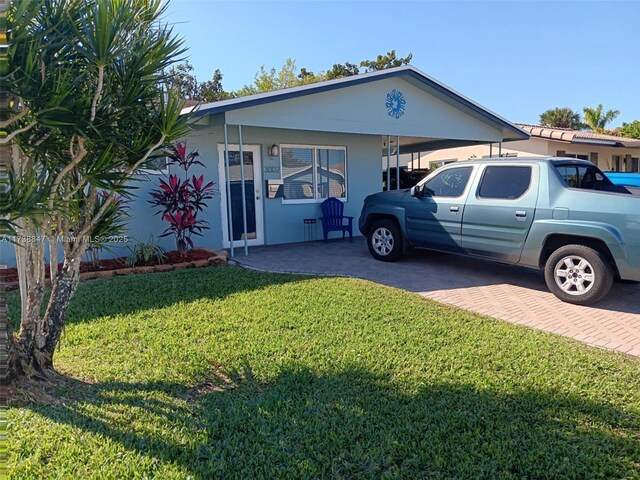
{"x":353,"y":423}
{"x":130,"y":294}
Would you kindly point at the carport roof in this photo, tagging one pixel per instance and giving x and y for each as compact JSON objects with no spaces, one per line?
{"x":510,"y":131}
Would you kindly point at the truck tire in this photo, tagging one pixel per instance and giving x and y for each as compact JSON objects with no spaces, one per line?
{"x":578,"y":274}
{"x":385,"y":240}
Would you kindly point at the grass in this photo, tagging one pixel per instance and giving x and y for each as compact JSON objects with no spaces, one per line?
{"x":227,"y":373}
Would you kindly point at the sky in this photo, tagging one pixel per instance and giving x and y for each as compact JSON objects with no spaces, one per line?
{"x":514,"y":57}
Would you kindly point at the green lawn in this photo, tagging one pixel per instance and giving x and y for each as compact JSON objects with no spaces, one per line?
{"x":227,"y":373}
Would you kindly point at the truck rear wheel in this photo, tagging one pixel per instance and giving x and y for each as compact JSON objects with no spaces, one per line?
{"x":385,"y":241}
{"x":578,"y":274}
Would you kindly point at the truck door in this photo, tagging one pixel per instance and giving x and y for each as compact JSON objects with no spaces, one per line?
{"x":434,"y":220}
{"x":499,"y":214}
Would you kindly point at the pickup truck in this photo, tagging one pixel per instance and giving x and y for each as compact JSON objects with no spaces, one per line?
{"x":557,"y":214}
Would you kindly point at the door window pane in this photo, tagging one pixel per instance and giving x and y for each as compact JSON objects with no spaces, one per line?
{"x":235,"y":181}
{"x":297,"y":173}
{"x":450,"y":183}
{"x":331,"y":173}
{"x":507,"y":183}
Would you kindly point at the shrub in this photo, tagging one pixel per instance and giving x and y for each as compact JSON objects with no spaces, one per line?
{"x":182,"y":199}
{"x":144,"y":252}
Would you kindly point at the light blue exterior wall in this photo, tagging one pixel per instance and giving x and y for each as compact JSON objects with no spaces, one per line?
{"x":283,"y":221}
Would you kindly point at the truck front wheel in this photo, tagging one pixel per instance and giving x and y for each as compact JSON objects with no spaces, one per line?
{"x":578,"y":274}
{"x":385,"y":241}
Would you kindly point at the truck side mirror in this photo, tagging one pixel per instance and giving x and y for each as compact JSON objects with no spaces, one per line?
{"x":418,"y":191}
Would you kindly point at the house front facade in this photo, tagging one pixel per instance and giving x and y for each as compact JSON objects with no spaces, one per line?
{"x":303,"y":145}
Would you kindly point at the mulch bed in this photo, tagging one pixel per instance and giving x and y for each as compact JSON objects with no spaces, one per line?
{"x":118,"y":266}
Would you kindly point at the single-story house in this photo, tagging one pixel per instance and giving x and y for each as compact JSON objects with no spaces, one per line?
{"x":610,"y":153}
{"x":302,"y":145}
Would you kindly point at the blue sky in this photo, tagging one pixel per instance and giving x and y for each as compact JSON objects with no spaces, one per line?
{"x":516,"y":58}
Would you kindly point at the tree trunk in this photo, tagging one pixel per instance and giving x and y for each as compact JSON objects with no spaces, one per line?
{"x":31,"y":351}
{"x":62,"y":289}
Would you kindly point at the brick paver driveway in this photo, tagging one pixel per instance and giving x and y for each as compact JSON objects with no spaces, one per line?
{"x":510,"y":293}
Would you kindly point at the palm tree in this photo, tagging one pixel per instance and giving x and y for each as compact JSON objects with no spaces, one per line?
{"x":562,"y":117}
{"x":89,"y":111}
{"x":596,"y":120}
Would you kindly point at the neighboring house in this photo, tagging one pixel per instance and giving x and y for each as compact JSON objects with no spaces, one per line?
{"x":608,"y":152}
{"x":304,"y":144}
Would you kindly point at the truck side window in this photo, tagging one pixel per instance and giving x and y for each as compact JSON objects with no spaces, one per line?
{"x":584,"y":177}
{"x":505,"y":182}
{"x":449,"y":183}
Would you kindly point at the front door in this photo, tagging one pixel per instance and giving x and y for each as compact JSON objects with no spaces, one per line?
{"x":233,"y":227}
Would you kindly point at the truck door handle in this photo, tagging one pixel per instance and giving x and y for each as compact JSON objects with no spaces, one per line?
{"x":454,"y":209}
{"x":521,"y":213}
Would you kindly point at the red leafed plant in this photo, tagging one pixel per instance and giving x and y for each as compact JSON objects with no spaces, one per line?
{"x":182,"y":199}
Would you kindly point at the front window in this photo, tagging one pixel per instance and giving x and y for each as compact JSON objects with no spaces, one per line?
{"x":448,"y":183}
{"x":313,"y":173}
{"x":157,"y":166}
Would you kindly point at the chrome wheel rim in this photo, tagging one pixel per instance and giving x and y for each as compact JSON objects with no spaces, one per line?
{"x":574,"y":275}
{"x":382,"y":241}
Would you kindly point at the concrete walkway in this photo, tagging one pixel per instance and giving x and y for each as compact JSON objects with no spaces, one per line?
{"x":514,"y":294}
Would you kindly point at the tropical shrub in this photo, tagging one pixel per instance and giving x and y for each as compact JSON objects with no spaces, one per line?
{"x":181,"y":199}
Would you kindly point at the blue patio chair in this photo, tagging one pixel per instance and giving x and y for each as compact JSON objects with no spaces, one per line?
{"x":333,"y":218}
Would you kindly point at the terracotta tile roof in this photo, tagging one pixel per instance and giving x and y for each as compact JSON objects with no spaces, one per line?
{"x":578,"y":136}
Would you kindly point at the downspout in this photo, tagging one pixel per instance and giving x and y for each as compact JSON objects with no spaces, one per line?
{"x":244,"y":198}
{"x":228,"y":187}
{"x":398,"y":163}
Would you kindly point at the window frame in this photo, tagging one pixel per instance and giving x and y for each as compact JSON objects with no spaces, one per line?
{"x":500,"y":199}
{"x":154,"y":171}
{"x":314,"y":174}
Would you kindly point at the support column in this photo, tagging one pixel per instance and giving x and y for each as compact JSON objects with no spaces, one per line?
{"x":398,"y":163}
{"x":228,"y":188}
{"x":388,"y":162}
{"x":244,"y":196}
